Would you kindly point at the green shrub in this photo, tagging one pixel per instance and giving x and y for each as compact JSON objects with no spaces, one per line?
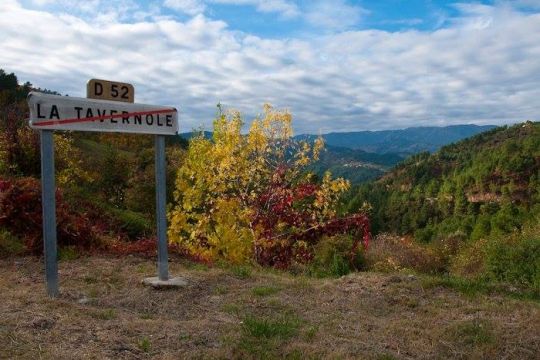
{"x":445,"y":248}
{"x":339,"y":265}
{"x":241,"y":271}
{"x":332,"y":256}
{"x":515,"y":259}
{"x":9,"y":244}
{"x":144,"y":344}
{"x":133,"y":223}
{"x":424,"y":235}
{"x":67,"y":253}
{"x":469,"y":262}
{"x":482,"y":228}
{"x":389,"y":253}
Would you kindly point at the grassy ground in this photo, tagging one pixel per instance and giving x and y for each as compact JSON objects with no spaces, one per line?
{"x":105,"y":312}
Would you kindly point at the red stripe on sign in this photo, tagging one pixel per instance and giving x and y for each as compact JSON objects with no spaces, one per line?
{"x":102,"y":117}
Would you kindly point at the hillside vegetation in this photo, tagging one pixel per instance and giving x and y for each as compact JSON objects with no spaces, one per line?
{"x":355,"y":165}
{"x":486,"y":185}
{"x":236,"y":198}
{"x":470,"y":210}
{"x":105,"y":182}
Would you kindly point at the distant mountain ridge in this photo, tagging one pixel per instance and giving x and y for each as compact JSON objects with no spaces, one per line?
{"x":366,"y":155}
{"x":190,"y":134}
{"x":405,"y":142}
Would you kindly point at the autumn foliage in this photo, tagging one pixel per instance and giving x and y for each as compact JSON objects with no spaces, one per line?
{"x":20,"y":213}
{"x":249,"y":197}
{"x":292,"y":218}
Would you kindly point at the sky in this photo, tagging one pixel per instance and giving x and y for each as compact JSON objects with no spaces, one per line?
{"x":336,"y":65}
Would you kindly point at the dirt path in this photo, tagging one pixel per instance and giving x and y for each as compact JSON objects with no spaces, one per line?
{"x":105,"y":312}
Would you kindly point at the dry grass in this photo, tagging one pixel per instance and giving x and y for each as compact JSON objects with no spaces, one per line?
{"x":105,"y":312}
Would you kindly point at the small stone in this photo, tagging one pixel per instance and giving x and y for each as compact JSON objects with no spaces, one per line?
{"x":84,"y":300}
{"x":43,"y":324}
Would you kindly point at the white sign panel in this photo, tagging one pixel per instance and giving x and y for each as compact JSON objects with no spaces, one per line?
{"x":53,"y":112}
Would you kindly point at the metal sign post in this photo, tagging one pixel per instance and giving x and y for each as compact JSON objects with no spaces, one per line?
{"x":48,"y":200}
{"x":161,"y":199}
{"x":52,"y":112}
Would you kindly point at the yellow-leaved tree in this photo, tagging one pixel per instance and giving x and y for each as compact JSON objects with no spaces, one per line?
{"x":249,"y":197}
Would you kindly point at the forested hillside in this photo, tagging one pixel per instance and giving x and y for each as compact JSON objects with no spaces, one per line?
{"x":483,"y":186}
{"x":355,"y":165}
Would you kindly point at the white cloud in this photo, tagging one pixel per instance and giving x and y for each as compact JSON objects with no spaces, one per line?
{"x":71,"y":5}
{"x":333,"y":14}
{"x":531,"y":4}
{"x":284,"y":7}
{"x":340,"y":81}
{"x":408,"y":22}
{"x":190,"y":7}
{"x":100,"y":11}
{"x":43,"y":2}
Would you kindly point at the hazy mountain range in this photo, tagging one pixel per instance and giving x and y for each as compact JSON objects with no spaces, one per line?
{"x":405,"y":142}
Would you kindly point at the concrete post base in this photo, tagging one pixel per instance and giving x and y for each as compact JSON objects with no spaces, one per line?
{"x":165,"y":284}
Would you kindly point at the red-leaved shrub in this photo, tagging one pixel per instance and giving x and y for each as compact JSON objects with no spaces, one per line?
{"x":289,"y":226}
{"x":21,"y":214}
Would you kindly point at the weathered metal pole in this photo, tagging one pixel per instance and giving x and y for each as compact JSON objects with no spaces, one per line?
{"x":161,"y":199}
{"x":48,"y":202}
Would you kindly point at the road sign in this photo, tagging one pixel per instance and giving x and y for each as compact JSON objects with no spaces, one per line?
{"x":110,"y":90}
{"x":53,"y":112}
